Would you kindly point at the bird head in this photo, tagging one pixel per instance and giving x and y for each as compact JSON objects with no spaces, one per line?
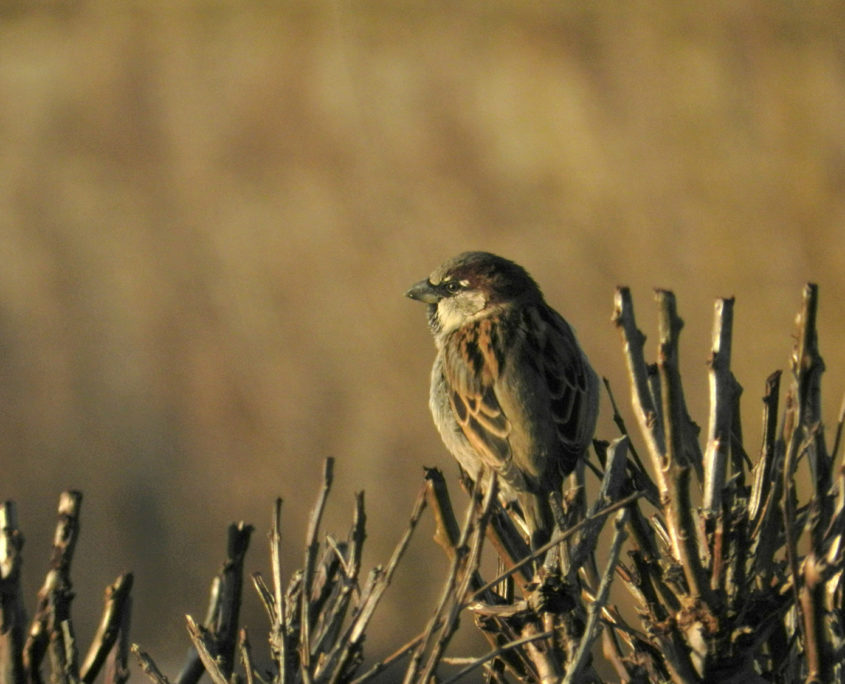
{"x":471,"y":286}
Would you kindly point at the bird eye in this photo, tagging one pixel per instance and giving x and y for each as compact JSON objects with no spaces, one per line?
{"x":452,"y":287}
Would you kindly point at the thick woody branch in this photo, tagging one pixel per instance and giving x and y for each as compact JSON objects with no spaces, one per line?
{"x":721,"y":409}
{"x":646,"y":410}
{"x":12,"y":614}
{"x":812,"y":596}
{"x":767,"y":490}
{"x":763,"y":476}
{"x":55,"y":595}
{"x":677,"y":502}
{"x":807,"y":368}
{"x":221,"y":621}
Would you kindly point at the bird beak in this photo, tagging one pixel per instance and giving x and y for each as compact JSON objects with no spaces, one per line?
{"x":424,"y":291}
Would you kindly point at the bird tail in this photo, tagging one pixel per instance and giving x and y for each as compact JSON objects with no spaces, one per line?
{"x":538,"y":517}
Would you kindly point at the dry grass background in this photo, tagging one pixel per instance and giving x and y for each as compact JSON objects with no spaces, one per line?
{"x":209,"y":212}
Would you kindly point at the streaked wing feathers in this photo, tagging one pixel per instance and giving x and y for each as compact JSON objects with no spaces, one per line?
{"x":471,"y":372}
{"x":541,"y":345}
{"x":572,"y":387}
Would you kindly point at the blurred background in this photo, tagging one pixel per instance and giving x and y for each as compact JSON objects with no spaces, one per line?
{"x":209,"y":212}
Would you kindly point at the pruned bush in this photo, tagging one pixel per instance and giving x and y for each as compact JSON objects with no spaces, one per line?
{"x":734,"y":577}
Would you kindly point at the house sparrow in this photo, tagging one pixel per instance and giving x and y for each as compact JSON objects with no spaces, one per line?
{"x":511,"y":390}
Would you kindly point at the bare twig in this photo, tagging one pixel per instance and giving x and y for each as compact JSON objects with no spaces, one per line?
{"x":837,"y":439}
{"x":117,"y":663}
{"x":311,"y":548}
{"x":617,"y":456}
{"x":70,"y":655}
{"x":349,"y":643}
{"x":55,"y":595}
{"x":763,"y":476}
{"x":467,"y":567}
{"x":342,"y":587}
{"x":148,"y":666}
{"x":498,"y":652}
{"x":557,"y":539}
{"x":641,"y":479}
{"x":116,"y":603}
{"x":582,"y":653}
{"x":807,"y":365}
{"x":819,"y":656}
{"x":392,"y":659}
{"x":275,"y":602}
{"x":205,"y":644}
{"x":438,"y":619}
{"x":223,"y":608}
{"x":245,"y":650}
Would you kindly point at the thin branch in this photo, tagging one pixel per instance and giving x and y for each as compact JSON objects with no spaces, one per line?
{"x":582,"y":653}
{"x":311,"y":548}
{"x":557,"y":539}
{"x":349,"y":643}
{"x":617,"y":456}
{"x":225,"y":629}
{"x":223,"y":608}
{"x":392,"y":659}
{"x":148,"y":666}
{"x":116,"y":602}
{"x":470,"y":565}
{"x":245,"y":650}
{"x":70,"y":655}
{"x":438,"y":619}
{"x":818,"y":653}
{"x":117,"y":663}
{"x":204,"y":643}
{"x":501,"y":650}
{"x":639,"y":473}
{"x":762,"y":474}
{"x":56,"y":593}
{"x":808,"y":366}
{"x":275,"y":602}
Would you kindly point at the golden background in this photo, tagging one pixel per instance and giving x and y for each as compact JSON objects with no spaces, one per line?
{"x":209,"y":212}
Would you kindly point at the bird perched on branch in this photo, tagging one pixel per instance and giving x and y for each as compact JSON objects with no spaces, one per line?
{"x":511,"y":390}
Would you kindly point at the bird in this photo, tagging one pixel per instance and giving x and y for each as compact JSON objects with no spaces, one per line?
{"x":512,"y":392}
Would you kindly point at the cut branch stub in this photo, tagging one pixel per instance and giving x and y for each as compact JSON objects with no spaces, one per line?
{"x":12,"y":614}
{"x":721,"y":409}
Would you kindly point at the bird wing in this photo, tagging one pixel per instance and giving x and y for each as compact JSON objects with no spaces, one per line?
{"x":523,"y":395}
{"x":472,"y":362}
{"x":571,"y":384}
